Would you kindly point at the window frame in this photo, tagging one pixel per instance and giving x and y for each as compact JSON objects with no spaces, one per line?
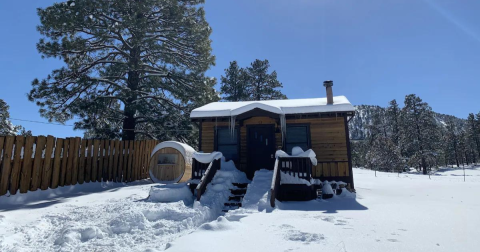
{"x":309,"y":135}
{"x":237,"y":128}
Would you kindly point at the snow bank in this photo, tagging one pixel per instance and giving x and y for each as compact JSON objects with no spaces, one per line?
{"x":327,"y":188}
{"x":298,"y":152}
{"x":171,"y":193}
{"x":290,"y":106}
{"x":207,"y":158}
{"x":257,"y":197}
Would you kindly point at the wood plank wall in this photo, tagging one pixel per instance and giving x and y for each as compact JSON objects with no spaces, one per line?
{"x":32,"y":163}
{"x":328,"y":140}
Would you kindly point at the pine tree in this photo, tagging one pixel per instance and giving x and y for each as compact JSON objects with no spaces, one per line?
{"x":261,"y":84}
{"x":452,"y":141}
{"x":6,"y":126}
{"x":234,"y":83}
{"x":393,"y":120}
{"x":383,"y":153}
{"x":133,"y":69}
{"x":420,"y":135}
{"x":473,"y":134}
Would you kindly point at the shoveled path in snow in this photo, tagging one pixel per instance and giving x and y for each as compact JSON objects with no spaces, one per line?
{"x":409,"y":212}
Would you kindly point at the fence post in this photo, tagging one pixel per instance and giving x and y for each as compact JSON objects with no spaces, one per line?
{"x":6,"y":164}
{"x":26,"y":173}
{"x":47,"y":163}
{"x":37,"y":164}
{"x":16,"y":167}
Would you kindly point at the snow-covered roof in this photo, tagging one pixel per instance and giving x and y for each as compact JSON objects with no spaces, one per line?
{"x":290,"y":106}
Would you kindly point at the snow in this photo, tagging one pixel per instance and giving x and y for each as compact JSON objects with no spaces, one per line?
{"x":171,"y":193}
{"x":207,"y":158}
{"x":390,"y":212}
{"x":298,"y":152}
{"x":289,"y":179}
{"x":218,"y":190}
{"x":327,"y":188}
{"x":282,"y":107}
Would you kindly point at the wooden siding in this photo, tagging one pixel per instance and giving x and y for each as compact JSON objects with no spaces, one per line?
{"x":327,"y":135}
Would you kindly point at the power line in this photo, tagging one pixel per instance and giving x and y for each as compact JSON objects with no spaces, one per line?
{"x":71,"y":125}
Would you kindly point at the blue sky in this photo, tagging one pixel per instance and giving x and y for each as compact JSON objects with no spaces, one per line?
{"x":373,"y":50}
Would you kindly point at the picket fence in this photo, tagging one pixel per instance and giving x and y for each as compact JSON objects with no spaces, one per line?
{"x":39,"y":162}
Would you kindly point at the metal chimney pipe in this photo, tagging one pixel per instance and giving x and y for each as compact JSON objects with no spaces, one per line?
{"x":328,"y":85}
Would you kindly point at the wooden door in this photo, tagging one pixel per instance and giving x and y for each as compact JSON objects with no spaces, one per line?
{"x":260,"y":148}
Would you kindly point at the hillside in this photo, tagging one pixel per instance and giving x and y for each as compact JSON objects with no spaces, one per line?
{"x":364,"y":115}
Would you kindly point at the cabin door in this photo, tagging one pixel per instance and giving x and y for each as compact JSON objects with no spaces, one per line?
{"x":260,"y":148}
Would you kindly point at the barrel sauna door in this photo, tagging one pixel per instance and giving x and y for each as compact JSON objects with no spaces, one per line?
{"x":168,"y":164}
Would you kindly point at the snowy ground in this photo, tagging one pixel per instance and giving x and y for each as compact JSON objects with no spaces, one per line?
{"x":390,"y":213}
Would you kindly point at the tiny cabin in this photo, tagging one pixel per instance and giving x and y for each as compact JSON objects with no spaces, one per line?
{"x":250,"y":132}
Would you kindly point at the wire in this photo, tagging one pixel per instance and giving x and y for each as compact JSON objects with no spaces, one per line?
{"x":71,"y":125}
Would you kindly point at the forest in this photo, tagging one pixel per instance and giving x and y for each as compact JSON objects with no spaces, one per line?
{"x":395,"y":138}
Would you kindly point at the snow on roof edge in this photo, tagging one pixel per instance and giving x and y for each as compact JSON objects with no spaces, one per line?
{"x":289,"y":106}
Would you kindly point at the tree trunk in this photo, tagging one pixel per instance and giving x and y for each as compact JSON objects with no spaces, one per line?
{"x":129,"y":122}
{"x":424,"y":166}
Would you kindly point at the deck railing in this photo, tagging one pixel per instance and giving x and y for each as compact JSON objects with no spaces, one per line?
{"x":198,"y":169}
{"x":300,"y":167}
{"x":207,"y":176}
{"x":275,"y":184}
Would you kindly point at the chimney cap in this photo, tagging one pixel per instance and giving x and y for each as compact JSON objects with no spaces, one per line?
{"x":328,"y":83}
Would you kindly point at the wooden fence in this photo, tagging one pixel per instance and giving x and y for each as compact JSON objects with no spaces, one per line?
{"x":32,"y":163}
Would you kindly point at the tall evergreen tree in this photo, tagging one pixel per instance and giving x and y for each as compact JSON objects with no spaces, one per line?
{"x":453,"y":140}
{"x":234,"y":83}
{"x":140,"y":64}
{"x":420,"y":134}
{"x":6,"y":126}
{"x":263,"y":85}
{"x":393,"y":120}
{"x":473,"y":133}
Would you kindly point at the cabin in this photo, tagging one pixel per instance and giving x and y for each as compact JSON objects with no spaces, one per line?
{"x":250,"y":133}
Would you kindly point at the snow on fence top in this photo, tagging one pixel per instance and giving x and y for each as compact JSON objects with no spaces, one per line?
{"x":282,"y":107}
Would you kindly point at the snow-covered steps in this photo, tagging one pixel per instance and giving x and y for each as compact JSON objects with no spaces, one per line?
{"x":239,"y":192}
{"x":236,"y":197}
{"x":240,"y":185}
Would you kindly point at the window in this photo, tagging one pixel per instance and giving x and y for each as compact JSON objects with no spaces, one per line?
{"x":227,"y":144}
{"x":297,"y":135}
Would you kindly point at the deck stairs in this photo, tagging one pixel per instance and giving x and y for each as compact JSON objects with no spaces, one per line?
{"x":236,"y":197}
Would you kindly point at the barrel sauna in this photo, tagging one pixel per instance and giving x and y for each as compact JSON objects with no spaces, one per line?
{"x":171,"y":162}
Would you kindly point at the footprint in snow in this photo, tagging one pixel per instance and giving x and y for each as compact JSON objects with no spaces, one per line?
{"x":392,"y":240}
{"x":328,"y":218}
{"x":341,"y":223}
{"x":286,"y":226}
{"x":304,"y":237}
